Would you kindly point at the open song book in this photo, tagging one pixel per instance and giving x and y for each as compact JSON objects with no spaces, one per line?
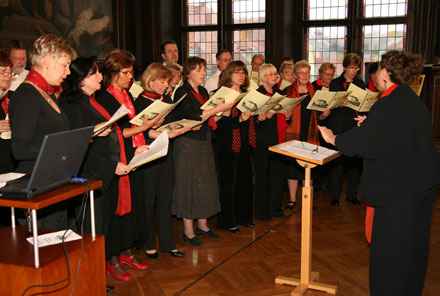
{"x":178,"y":125}
{"x":323,"y":100}
{"x":306,"y":151}
{"x":158,"y":149}
{"x":121,"y":112}
{"x":158,"y":107}
{"x":226,"y":93}
{"x":258,"y":103}
{"x":361,"y":100}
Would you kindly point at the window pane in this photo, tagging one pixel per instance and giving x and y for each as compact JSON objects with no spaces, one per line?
{"x":201,"y":12}
{"x":248,"y":43}
{"x":325,"y":44}
{"x":327,"y":10}
{"x":385,"y":8}
{"x":204,"y":44}
{"x":248,"y":11}
{"x":382,"y":39}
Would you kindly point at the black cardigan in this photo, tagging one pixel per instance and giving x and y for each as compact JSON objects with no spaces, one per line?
{"x":342,"y":119}
{"x":103,"y":153}
{"x":189,"y":108}
{"x":397,"y":145}
{"x":32,"y":118}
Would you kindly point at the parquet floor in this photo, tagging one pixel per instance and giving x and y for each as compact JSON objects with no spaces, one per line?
{"x":247,"y":263}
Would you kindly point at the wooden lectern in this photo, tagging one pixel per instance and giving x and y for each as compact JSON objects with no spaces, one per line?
{"x":308,"y":156}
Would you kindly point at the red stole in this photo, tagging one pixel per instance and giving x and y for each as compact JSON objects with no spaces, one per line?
{"x":319,"y":82}
{"x":123,"y":98}
{"x":236,"y":136}
{"x":124,"y":199}
{"x":369,"y":218}
{"x":371,"y":86}
{"x":202,"y":101}
{"x":281,"y":124}
{"x":37,"y":79}
{"x":4,"y":102}
{"x":150,"y":95}
{"x":293,"y":131}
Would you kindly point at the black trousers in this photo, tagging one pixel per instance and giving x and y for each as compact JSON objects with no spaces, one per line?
{"x":159,"y":186}
{"x":353,"y":166}
{"x":399,"y":246}
{"x":236,"y":188}
{"x":277,"y":177}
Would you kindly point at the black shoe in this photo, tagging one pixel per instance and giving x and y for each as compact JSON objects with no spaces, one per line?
{"x":250,"y":225}
{"x":234,"y":230}
{"x":355,"y":202}
{"x":209,"y":233}
{"x":109,"y":288}
{"x":195,"y":242}
{"x":152,"y":255}
{"x":177,"y":254}
{"x":335,"y":203}
{"x":290,"y":205}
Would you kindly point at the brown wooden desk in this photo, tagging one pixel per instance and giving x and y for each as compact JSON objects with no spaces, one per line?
{"x":49,"y":198}
{"x":17,"y":271}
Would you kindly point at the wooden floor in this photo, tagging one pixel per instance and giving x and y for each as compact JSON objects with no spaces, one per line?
{"x":247,"y":263}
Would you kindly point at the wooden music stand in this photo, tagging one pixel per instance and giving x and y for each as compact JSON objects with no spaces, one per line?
{"x":308,"y":156}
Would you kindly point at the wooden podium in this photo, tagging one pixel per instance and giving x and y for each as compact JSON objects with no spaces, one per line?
{"x":308,"y":156}
{"x":20,"y":264}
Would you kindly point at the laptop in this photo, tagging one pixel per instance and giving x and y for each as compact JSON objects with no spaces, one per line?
{"x":59,"y":160}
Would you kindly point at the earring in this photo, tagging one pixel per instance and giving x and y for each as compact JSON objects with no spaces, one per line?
{"x":82,"y":83}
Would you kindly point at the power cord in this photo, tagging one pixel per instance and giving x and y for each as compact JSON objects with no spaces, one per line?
{"x":82,"y":210}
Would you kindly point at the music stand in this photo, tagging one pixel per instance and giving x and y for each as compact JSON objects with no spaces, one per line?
{"x":308,"y":156}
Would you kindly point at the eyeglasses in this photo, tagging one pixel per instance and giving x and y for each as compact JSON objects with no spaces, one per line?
{"x":304,"y":73}
{"x":6,"y":72}
{"x":127,"y":73}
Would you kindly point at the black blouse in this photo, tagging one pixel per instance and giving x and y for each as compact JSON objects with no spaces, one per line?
{"x":31,"y":118}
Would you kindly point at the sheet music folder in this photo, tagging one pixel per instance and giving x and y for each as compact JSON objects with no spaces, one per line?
{"x":305,"y":151}
{"x":59,"y":160}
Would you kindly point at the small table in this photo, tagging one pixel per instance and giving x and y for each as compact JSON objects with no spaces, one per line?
{"x":49,"y":198}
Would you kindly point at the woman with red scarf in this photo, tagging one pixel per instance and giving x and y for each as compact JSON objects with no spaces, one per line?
{"x":127,"y":225}
{"x":303,"y":126}
{"x":196,"y":193}
{"x":35,"y":112}
{"x":401,"y":174}
{"x":235,"y":137}
{"x":159,"y":175}
{"x":7,"y":162}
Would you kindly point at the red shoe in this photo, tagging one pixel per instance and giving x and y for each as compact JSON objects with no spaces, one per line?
{"x":111,"y":270}
{"x":134,"y":265}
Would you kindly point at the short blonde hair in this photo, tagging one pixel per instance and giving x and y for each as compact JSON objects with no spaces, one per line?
{"x":325,"y":66}
{"x":50,"y":45}
{"x":265,"y":69}
{"x":153,"y":72}
{"x":301,"y":64}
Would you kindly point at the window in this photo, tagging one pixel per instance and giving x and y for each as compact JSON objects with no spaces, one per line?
{"x":236,"y":25}
{"x":331,"y":25}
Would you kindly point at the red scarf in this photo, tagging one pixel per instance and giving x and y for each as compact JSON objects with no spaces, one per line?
{"x":369,"y":218}
{"x":36,"y":78}
{"x":124,"y":199}
{"x":124,"y":99}
{"x":293,"y":131}
{"x":371,"y":86}
{"x":202,"y":101}
{"x":150,"y":95}
{"x":4,"y":102}
{"x":236,"y":136}
{"x":319,"y":83}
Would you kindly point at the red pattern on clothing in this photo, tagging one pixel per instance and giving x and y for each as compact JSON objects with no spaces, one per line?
{"x":293,"y":131}
{"x":252,"y":133}
{"x":124,"y":198}
{"x":124,"y":99}
{"x":37,"y":79}
{"x":202,"y":101}
{"x":4,"y":101}
{"x":369,"y":218}
{"x":236,"y":137}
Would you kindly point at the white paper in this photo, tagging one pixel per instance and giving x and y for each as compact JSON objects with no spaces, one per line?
{"x":54,"y":238}
{"x":121,"y":112}
{"x":6,"y":135}
{"x":136,"y":89}
{"x":10,"y":176}
{"x":305,"y":149}
{"x":158,"y":149}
